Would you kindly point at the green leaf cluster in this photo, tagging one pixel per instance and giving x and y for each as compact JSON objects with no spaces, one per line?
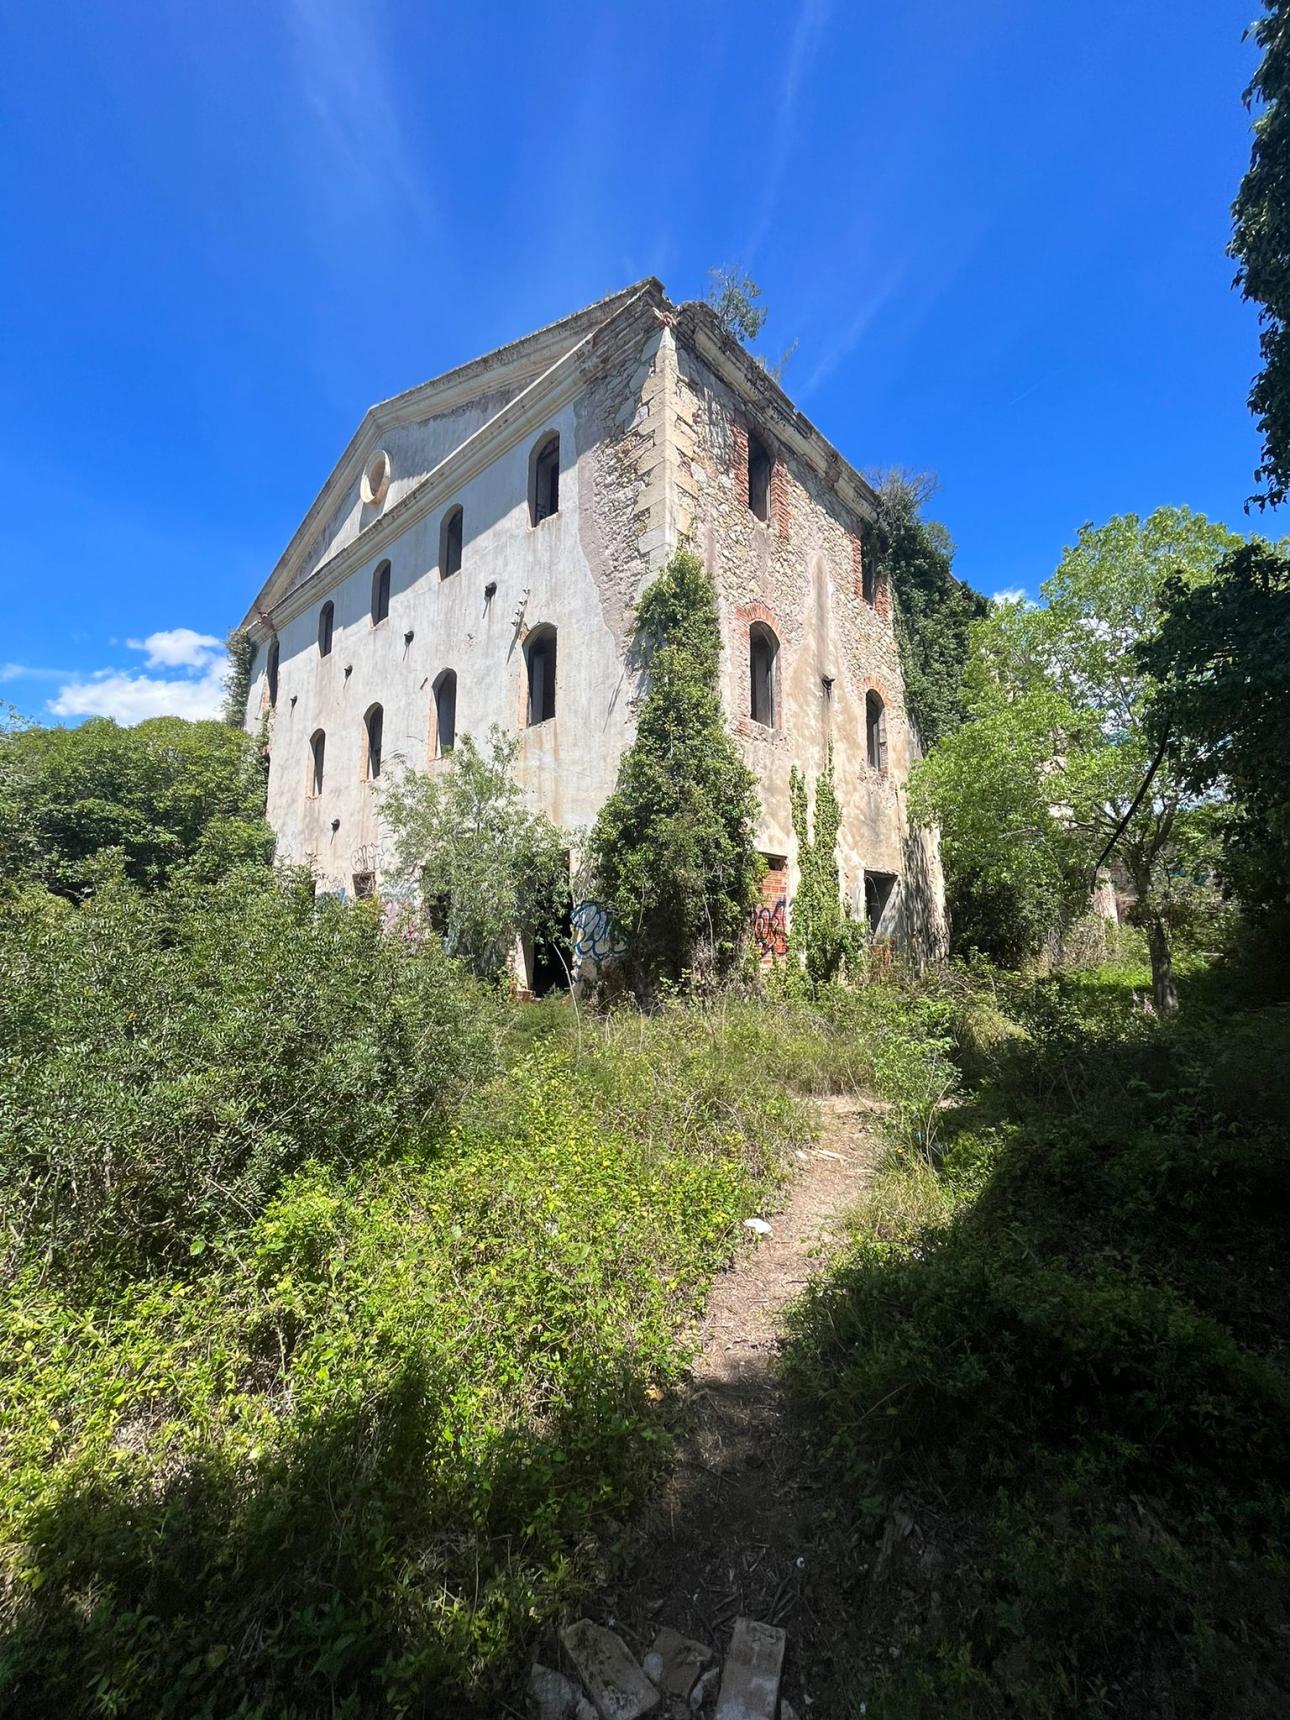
{"x":166,"y":795}
{"x":820,"y":935}
{"x":672,"y":848}
{"x":486,"y":867}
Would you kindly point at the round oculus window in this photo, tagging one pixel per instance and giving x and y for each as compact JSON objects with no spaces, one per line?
{"x":376,"y":478}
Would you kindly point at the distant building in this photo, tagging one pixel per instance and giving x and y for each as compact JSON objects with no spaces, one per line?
{"x":474,"y":558}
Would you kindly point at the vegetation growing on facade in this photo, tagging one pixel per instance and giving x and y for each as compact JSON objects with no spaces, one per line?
{"x":819,"y":932}
{"x":672,"y":850}
{"x":237,"y":682}
{"x":934,"y":611}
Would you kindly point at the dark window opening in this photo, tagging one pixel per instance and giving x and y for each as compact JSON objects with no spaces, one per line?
{"x":450,"y":544}
{"x":374,"y":726}
{"x":763,"y":652}
{"x":878,"y":887}
{"x":317,"y":752}
{"x":868,"y":575}
{"x":326,"y":622}
{"x":759,"y":465}
{"x":271,"y":674}
{"x":445,"y":713}
{"x":544,"y":483}
{"x":364,"y":886}
{"x":381,"y":593}
{"x":875,"y":727}
{"x":540,"y":655}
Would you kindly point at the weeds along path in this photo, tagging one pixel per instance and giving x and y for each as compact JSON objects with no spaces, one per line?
{"x":741,"y":1528}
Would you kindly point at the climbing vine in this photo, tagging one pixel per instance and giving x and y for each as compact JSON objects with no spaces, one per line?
{"x":237,"y":682}
{"x":819,"y":931}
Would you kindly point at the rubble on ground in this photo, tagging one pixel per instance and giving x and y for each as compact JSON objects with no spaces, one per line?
{"x":676,"y":1679}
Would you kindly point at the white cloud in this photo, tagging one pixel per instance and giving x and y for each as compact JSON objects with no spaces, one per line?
{"x":194,"y":688}
{"x":179,"y":648}
{"x":133,"y":698}
{"x":1012,"y":594}
{"x":25,"y":672}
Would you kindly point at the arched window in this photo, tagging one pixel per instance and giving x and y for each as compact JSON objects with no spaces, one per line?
{"x":544,"y":480}
{"x":759,"y":465}
{"x":875,"y":731}
{"x":381,"y":593}
{"x":869,"y":575}
{"x":445,"y":713}
{"x":373,"y":735}
{"x":539,"y":654}
{"x":317,"y":753}
{"x":326,"y":623}
{"x":450,"y":543}
{"x":763,"y":657}
{"x":271,"y":673}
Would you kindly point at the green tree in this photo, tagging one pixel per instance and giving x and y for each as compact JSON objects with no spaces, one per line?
{"x":487,"y":868}
{"x":1261,"y":243}
{"x":934,"y":611}
{"x":1056,"y":762}
{"x":672,"y":850}
{"x":166,"y":793}
{"x":734,"y":296}
{"x":818,"y":931}
{"x":1221,"y":662}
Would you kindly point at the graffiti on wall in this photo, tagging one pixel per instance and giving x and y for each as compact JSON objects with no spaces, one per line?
{"x":770,"y":928}
{"x":593,"y":936}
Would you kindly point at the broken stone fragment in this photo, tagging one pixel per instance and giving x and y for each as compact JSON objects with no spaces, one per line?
{"x":675,"y":1662}
{"x":787,"y":1710}
{"x":616,"y":1684}
{"x":750,"y":1683}
{"x":758,"y":1226}
{"x":550,"y":1695}
{"x":705,"y":1689}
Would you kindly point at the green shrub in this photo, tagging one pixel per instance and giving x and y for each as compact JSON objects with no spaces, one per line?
{"x":166,"y":1059}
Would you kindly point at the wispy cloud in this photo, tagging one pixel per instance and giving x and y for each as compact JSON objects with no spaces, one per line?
{"x":25,"y":672}
{"x":812,"y":20}
{"x":1010,"y":595}
{"x":853,"y":333}
{"x":194,"y":688}
{"x":345,"y":75}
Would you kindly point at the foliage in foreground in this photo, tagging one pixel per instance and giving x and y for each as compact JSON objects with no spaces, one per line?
{"x":1221,"y":661}
{"x":1260,"y":239}
{"x":672,"y":849}
{"x":1056,"y":1348}
{"x":354,"y":1451}
{"x":166,"y":1058}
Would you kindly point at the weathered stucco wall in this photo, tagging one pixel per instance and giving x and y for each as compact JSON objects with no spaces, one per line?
{"x":578,"y":571}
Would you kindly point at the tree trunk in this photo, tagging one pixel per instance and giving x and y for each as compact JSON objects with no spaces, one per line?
{"x":1164,"y":992}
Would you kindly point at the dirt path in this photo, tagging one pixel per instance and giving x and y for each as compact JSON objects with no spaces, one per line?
{"x":739,"y":1528}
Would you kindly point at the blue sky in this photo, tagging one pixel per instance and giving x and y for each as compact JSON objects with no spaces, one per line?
{"x":996,"y":231}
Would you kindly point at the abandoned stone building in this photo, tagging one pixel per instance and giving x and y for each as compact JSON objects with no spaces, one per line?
{"x":474,"y":559}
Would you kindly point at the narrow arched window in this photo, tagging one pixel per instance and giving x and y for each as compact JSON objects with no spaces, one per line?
{"x":539,"y":654}
{"x":381,"y":593}
{"x":450,"y":543}
{"x":875,"y":729}
{"x":373,"y":736}
{"x":271,"y":673}
{"x":763,"y":656}
{"x":326,"y":623}
{"x":869,"y":576}
{"x":317,"y":755}
{"x":759,"y":465}
{"x":445,"y":713}
{"x":544,"y":480}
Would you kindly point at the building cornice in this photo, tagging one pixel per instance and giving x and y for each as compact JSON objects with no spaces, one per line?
{"x":698,"y":326}
{"x":521,"y":417}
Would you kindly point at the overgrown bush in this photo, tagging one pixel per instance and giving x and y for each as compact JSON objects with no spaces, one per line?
{"x":165,"y":1059}
{"x":1057,"y":1349}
